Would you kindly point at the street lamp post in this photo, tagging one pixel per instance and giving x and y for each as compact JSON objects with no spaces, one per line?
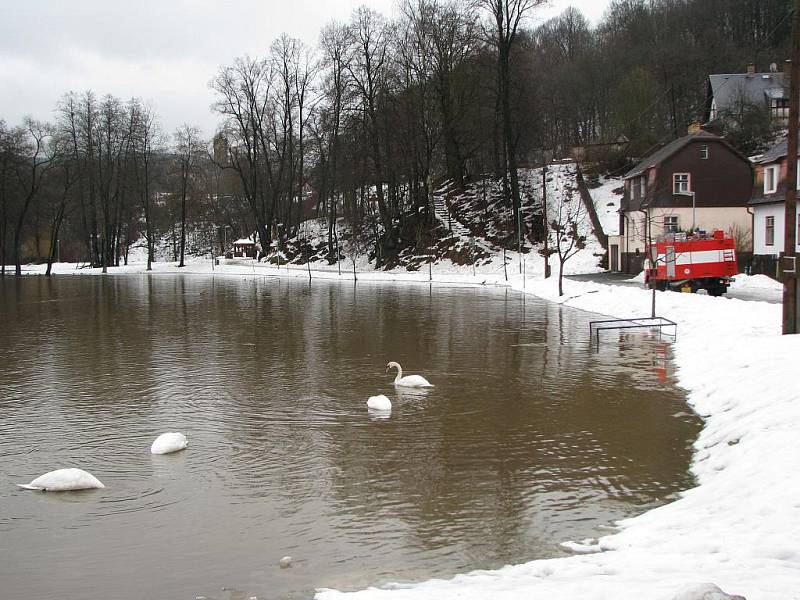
{"x":689,"y":193}
{"x":225,"y":239}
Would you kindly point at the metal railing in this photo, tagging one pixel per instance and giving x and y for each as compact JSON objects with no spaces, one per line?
{"x":595,"y":327}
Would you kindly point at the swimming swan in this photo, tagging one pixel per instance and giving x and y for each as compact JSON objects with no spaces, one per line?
{"x":409,"y":380}
{"x":379,"y":403}
{"x":63,"y":480}
{"x":169,"y":442}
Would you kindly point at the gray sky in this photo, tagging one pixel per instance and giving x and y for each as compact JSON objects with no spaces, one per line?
{"x":164,"y":51}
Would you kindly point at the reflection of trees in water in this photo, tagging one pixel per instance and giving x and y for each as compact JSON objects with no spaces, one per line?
{"x":441,"y":467}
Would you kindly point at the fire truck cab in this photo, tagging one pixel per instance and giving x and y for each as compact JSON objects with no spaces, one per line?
{"x":692,"y":261}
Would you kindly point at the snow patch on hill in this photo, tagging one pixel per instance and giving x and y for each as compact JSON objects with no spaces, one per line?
{"x":607,"y":197}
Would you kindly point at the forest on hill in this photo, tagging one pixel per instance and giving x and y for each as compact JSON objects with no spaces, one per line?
{"x":363,"y":126}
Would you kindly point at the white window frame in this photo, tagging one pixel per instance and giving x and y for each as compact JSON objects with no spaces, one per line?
{"x":677,"y":186}
{"x":769,"y":228}
{"x":771,"y":174}
{"x":704,"y":152}
{"x":671,"y":224}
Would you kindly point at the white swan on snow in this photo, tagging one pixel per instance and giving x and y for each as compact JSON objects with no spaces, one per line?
{"x":63,"y":480}
{"x":379,"y":403}
{"x":409,"y":380}
{"x":169,"y":442}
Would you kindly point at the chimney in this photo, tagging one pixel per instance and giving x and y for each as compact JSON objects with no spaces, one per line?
{"x":787,"y":70}
{"x":751,"y":69}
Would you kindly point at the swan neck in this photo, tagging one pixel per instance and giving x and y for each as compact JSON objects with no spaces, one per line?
{"x":399,"y":373}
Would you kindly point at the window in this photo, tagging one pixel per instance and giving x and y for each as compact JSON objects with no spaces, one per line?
{"x":770,"y":179}
{"x":671,"y":224}
{"x":779,"y":108}
{"x":642,"y":185}
{"x":769,"y":234}
{"x":680,"y":183}
{"x":703,"y":151}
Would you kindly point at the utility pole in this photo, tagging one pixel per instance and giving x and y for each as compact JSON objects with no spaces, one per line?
{"x":789,"y":260}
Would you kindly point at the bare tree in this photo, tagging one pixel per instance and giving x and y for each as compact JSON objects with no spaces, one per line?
{"x":30,"y":169}
{"x":147,"y":140}
{"x":66,"y":175}
{"x":189,"y":149}
{"x":567,"y":225}
{"x":7,"y":156}
{"x":367,"y":64}
{"x":243,"y":100}
{"x":502,"y":31}
{"x":447,"y":39}
{"x":334,"y":41}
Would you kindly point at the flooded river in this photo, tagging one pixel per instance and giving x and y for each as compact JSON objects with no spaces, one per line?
{"x":529,"y":438}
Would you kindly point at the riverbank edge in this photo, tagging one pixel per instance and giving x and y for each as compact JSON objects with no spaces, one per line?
{"x":734,"y":529}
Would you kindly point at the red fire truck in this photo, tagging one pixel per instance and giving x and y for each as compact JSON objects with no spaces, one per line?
{"x":692,"y":261}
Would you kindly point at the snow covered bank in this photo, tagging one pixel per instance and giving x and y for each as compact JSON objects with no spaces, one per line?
{"x":489,"y":271}
{"x":737,"y":529}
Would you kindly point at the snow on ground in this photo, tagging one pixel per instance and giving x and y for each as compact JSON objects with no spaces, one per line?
{"x":606,"y":203}
{"x":738,"y":528}
{"x":756,"y":287}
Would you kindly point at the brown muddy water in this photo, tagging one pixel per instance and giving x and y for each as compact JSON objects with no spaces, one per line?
{"x":529,"y":438}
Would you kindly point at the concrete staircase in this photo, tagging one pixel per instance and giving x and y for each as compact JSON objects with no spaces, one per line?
{"x":448,"y":221}
{"x":454,"y":226}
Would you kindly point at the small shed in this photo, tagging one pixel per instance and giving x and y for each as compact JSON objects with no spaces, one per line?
{"x":245,"y":247}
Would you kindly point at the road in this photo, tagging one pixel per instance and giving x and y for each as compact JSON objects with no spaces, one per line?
{"x":771,"y":294}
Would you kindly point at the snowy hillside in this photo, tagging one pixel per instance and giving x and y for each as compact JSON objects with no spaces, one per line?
{"x":482,"y":209}
{"x":470,"y":226}
{"x":607,"y":198}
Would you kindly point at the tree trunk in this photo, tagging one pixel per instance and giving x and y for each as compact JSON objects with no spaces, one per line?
{"x":54,"y":237}
{"x":3,"y":231}
{"x":183,"y":223}
{"x":18,"y":233}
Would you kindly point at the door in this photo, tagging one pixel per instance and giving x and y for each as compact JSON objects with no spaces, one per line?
{"x":613,"y":257}
{"x":670,"y":262}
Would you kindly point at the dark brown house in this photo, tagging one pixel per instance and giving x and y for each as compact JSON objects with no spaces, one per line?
{"x":697,"y":181}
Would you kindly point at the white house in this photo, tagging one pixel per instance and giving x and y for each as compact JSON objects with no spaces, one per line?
{"x":767,"y":207}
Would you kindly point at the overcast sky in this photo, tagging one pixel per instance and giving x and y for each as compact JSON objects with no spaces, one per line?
{"x":164,"y":51}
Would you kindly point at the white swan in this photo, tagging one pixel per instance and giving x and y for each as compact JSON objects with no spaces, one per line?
{"x":169,"y":442}
{"x":409,"y":380}
{"x":63,"y":480}
{"x":379,"y":402}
